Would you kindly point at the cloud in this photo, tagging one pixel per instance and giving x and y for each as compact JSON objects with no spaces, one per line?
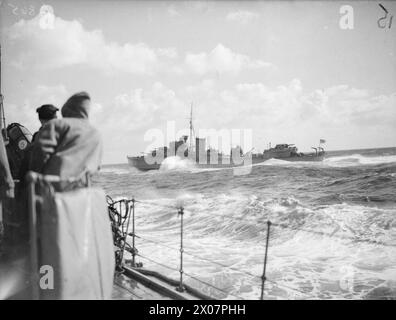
{"x":59,"y":43}
{"x":254,"y":105}
{"x":68,"y":43}
{"x":170,"y":53}
{"x":291,"y":114}
{"x":332,"y":107}
{"x":358,"y":107}
{"x":221,"y":60}
{"x":143,"y":108}
{"x":132,"y":114}
{"x":241,"y":16}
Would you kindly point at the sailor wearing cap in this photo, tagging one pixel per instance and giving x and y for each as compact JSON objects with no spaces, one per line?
{"x":46,"y":113}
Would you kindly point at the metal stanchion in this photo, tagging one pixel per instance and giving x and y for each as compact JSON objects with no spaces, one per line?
{"x":265,"y":260}
{"x":133,"y":234}
{"x":180,"y":288}
{"x":127,"y":227}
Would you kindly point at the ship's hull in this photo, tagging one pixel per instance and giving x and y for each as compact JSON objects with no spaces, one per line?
{"x":304,"y":158}
{"x":141,"y":164}
{"x":297,"y":158}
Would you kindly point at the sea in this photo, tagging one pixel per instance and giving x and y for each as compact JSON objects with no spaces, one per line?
{"x":332,"y":232}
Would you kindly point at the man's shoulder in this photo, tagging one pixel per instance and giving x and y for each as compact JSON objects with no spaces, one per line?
{"x":69,"y":123}
{"x":73,"y":124}
{"x":57,"y":123}
{"x":77,"y":125}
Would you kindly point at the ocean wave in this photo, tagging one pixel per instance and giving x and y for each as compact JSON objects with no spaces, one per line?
{"x":234,"y":212}
{"x":333,"y":161}
{"x":358,"y":159}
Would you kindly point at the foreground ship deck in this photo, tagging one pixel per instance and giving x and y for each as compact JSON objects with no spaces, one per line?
{"x":129,"y":284}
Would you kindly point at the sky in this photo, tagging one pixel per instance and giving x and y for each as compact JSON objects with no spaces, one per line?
{"x":287,"y":71}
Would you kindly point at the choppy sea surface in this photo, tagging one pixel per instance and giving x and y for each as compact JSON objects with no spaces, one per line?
{"x":333,"y":234}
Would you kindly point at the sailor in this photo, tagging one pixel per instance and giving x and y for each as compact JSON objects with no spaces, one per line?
{"x":46,"y":112}
{"x":69,"y":146}
{"x":75,"y":226}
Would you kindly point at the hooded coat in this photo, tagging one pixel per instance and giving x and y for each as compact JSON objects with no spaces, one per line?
{"x":70,"y":146}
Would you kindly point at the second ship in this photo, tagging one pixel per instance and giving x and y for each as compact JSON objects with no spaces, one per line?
{"x":203,"y":157}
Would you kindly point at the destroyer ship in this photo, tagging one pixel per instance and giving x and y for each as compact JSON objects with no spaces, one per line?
{"x":289,"y":152}
{"x":204,"y":157}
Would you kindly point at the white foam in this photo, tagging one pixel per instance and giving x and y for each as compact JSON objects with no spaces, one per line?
{"x":176,"y":163}
{"x":358,"y":159}
{"x":340,"y":161}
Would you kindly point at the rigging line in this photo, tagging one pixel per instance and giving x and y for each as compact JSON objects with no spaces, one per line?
{"x":213,"y":214}
{"x":187,"y":274}
{"x":158,"y":205}
{"x":158,"y":263}
{"x":203,"y":259}
{"x":231,"y":218}
{"x":114,"y":202}
{"x":219,"y":289}
{"x":208,"y":260}
{"x":210,"y":285}
{"x":240,"y":271}
{"x":214,"y":262}
{"x":157,"y":242}
{"x":231,"y":268}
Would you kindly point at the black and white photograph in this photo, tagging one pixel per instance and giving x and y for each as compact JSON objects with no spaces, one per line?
{"x":214,"y":151}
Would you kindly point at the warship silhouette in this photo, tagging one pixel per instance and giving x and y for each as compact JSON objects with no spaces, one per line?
{"x":204,"y":157}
